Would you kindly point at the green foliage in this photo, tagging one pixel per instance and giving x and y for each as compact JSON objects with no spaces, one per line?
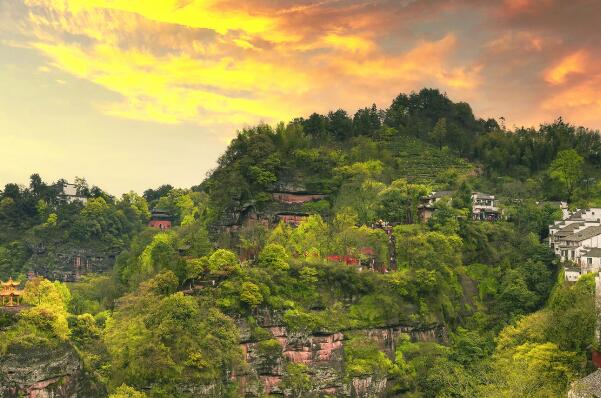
{"x":84,"y":329}
{"x":134,"y":328}
{"x":125,"y":391}
{"x":224,"y":263}
{"x":169,"y":340}
{"x":362,"y":358}
{"x":567,"y":168}
{"x":439,"y":132}
{"x":299,"y":320}
{"x":271,"y":349}
{"x":297,"y":380}
{"x":251,"y":294}
{"x":274,"y":257}
{"x":93,"y":294}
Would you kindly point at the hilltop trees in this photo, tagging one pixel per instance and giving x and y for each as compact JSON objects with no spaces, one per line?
{"x":567,"y":168}
{"x":439,"y":132}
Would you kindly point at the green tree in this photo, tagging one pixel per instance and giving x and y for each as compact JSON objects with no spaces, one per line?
{"x":223,"y":263}
{"x":567,"y":168}
{"x":251,"y":294}
{"x":125,"y":391}
{"x":297,"y":380}
{"x":274,"y":257}
{"x":439,"y":132}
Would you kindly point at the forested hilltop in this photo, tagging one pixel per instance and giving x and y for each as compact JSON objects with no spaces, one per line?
{"x":396,"y":252}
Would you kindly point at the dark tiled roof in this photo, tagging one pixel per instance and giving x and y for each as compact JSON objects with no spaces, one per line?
{"x":569,"y":229}
{"x":577,"y":215}
{"x":594,"y":252}
{"x":481,"y":195}
{"x":586,"y":233}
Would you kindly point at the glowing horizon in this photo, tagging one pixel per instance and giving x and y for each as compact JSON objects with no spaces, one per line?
{"x":133,"y":94}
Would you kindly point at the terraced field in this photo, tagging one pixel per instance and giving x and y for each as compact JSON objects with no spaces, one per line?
{"x":420,"y":162}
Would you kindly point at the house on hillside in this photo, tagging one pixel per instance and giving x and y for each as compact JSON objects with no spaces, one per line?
{"x":572,"y":274}
{"x":573,"y":246}
{"x":577,"y":239}
{"x":590,"y":260}
{"x":160,"y":219}
{"x":70,"y":194}
{"x":484,"y":207}
{"x":426,"y":208}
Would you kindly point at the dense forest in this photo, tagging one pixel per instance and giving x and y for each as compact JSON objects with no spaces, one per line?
{"x":196,"y":310}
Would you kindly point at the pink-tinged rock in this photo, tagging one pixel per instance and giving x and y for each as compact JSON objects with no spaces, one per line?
{"x":330,"y":391}
{"x":278,"y":331}
{"x":326,"y":350}
{"x":324,"y":355}
{"x":334,"y":345}
{"x":368,"y":386}
{"x":270,"y":383}
{"x":298,"y":356}
{"x":283,"y":341}
{"x":244,"y":351}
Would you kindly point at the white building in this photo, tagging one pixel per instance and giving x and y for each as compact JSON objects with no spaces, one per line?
{"x":484,"y":207}
{"x":590,"y":260}
{"x":572,"y":274}
{"x":70,"y":194}
{"x":577,"y":239}
{"x":574,"y":245}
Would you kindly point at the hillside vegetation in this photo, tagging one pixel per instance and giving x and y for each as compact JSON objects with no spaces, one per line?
{"x":178,"y":310}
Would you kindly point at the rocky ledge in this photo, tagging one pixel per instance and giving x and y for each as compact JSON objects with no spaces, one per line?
{"x":323,"y":354}
{"x":44,"y":372}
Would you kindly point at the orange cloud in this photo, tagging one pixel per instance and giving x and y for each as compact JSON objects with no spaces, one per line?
{"x":572,"y":64}
{"x":427,"y":60}
{"x":580,"y":103}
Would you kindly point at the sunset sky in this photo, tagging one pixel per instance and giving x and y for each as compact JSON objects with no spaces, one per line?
{"x":131,"y":94}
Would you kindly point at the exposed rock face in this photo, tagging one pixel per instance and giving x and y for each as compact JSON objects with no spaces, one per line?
{"x":68,"y":264}
{"x":42,"y":372}
{"x":324,"y":356}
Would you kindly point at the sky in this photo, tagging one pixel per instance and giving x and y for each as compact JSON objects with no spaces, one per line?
{"x":132,"y":94}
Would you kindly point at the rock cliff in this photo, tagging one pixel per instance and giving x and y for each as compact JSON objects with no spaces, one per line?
{"x":43,"y":372}
{"x":323,"y":354}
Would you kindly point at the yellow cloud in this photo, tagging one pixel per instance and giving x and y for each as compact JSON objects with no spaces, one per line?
{"x":573,"y":63}
{"x":355,"y":44}
{"x":210,"y":62}
{"x":172,"y":89}
{"x":195,"y":14}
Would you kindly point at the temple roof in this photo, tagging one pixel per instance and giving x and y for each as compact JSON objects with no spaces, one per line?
{"x":10,"y":282}
{"x":12,"y":292}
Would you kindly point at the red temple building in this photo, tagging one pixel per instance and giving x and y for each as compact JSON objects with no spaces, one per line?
{"x":160,"y":219}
